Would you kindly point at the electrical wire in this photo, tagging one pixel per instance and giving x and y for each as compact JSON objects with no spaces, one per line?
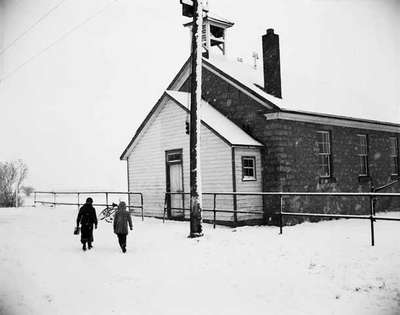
{"x":42,"y":18}
{"x":58,"y":40}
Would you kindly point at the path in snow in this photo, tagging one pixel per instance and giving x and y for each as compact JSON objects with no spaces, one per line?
{"x":313,"y":268}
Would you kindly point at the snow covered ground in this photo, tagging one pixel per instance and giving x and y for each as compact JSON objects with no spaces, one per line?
{"x":313,"y":268}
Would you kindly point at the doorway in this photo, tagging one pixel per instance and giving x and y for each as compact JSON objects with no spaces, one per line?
{"x":174,"y":184}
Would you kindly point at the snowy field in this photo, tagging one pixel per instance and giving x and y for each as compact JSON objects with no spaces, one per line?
{"x":313,"y":268}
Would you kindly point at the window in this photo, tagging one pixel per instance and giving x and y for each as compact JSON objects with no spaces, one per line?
{"x":248,"y":168}
{"x":363,"y":154}
{"x":394,"y":155}
{"x":324,"y":147}
{"x":174,"y":156}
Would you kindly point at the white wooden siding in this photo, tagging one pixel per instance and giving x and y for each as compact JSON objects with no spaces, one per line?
{"x":248,"y":203}
{"x":216,"y":173}
{"x":147,"y":173}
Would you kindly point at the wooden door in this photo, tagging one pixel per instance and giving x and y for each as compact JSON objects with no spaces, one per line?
{"x":175,"y":183}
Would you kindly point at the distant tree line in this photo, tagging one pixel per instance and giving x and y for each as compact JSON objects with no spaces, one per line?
{"x":12,"y":176}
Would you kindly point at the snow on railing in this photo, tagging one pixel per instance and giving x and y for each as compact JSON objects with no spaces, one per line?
{"x":372,"y":217}
{"x":134,"y":199}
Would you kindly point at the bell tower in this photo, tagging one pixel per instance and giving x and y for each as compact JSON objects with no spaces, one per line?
{"x":213,"y":33}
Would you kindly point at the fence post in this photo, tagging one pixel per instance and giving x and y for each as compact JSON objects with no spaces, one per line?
{"x":371,"y":216}
{"x":165,"y":207}
{"x":280,"y":215}
{"x":263,"y":209}
{"x":235,"y":217}
{"x":141,"y":201}
{"x":214,"y":208}
{"x":129,"y":202}
{"x":34,"y":199}
{"x":106,"y":199}
{"x":54,"y":199}
{"x":79,"y":203}
{"x":373,"y":197}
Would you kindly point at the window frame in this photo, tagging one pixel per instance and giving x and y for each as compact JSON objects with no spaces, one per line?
{"x":394,"y":156}
{"x":363,"y":156}
{"x":326,"y":154}
{"x":173,"y":152}
{"x":249,"y":178}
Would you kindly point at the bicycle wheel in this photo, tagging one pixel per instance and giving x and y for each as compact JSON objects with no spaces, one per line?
{"x":110,"y":216}
{"x":104,"y":214}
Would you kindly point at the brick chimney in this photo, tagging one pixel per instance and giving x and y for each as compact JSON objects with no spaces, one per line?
{"x":272,"y":65}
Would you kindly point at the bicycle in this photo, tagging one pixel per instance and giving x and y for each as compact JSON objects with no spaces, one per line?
{"x":107,"y":214}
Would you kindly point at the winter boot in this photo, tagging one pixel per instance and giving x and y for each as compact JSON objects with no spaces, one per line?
{"x":84,"y":246}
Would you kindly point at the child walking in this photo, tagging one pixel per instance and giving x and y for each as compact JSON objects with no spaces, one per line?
{"x":121,"y":220}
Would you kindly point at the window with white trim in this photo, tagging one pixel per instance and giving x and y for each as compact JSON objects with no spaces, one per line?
{"x":394,"y":155}
{"x":324,"y":154}
{"x":248,"y":168}
{"x":363,"y":155}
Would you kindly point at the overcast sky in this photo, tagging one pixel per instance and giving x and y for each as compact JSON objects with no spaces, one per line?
{"x":78,"y":77}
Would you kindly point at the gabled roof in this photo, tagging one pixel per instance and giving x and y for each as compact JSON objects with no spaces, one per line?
{"x":250,"y":80}
{"x":246,"y":76}
{"x":142,"y":127}
{"x":217,"y":122}
{"x":237,"y":74}
{"x":210,"y":117}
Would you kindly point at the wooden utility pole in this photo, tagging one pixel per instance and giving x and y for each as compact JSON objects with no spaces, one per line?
{"x":195,"y":109}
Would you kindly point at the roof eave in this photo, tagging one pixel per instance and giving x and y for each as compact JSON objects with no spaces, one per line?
{"x":213,"y":130}
{"x":348,"y":118}
{"x":142,"y":125}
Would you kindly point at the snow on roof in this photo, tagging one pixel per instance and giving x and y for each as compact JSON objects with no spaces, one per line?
{"x":212,"y":16}
{"x":253,"y":79}
{"x":246,"y":75}
{"x":217,"y":121}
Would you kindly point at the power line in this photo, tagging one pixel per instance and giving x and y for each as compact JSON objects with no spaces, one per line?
{"x":43,"y":17}
{"x":61,"y":38}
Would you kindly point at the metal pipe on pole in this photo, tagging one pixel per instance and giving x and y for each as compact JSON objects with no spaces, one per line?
{"x":195,"y":110}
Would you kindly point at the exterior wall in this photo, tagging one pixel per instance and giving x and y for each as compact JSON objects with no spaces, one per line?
{"x":240,"y":108}
{"x":147,"y":169}
{"x":216,"y":174}
{"x":290,"y":160}
{"x":248,"y":203}
{"x":300,"y":167}
{"x":249,"y":116}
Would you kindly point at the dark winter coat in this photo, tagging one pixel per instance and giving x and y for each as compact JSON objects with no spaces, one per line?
{"x":87,"y":216}
{"x":121,"y":220}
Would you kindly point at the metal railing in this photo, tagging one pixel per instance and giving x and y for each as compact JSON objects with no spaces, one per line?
{"x":99,"y":194}
{"x":214,"y":209}
{"x":392,"y":183}
{"x":372,"y":217}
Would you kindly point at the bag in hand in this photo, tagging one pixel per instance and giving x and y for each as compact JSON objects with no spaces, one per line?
{"x":77,"y":230}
